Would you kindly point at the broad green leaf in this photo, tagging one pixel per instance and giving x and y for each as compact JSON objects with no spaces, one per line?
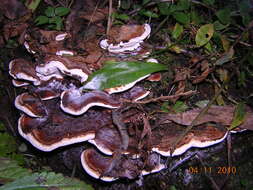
{"x":177,"y":31}
{"x":181,"y":17}
{"x":226,"y":57}
{"x":224,"y":15}
{"x":149,"y":13}
{"x":183,"y":5}
{"x":10,"y":170}
{"x":32,"y":5}
{"x":115,"y":74}
{"x":179,"y":107}
{"x":41,"y":20}
{"x":218,"y":26}
{"x":57,"y":21}
{"x":49,"y":12}
{"x":123,"y":17}
{"x":164,"y":8}
{"x":245,"y":9}
{"x":62,"y":11}
{"x":196,"y":19}
{"x":208,"y":47}
{"x":164,"y":107}
{"x":45,"y":181}
{"x":204,"y":34}
{"x":7,"y":144}
{"x":239,"y":116}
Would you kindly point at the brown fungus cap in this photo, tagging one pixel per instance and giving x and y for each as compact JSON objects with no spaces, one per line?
{"x":31,"y":105}
{"x":59,"y":129}
{"x":107,"y":140}
{"x":96,"y":164}
{"x":55,"y":64}
{"x":134,"y":94}
{"x":22,"y":69}
{"x":53,"y":88}
{"x":126,"y":38}
{"x":200,"y":136}
{"x":76,"y":103}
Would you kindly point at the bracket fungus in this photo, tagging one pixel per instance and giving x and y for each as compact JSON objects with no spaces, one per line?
{"x":126,"y":38}
{"x":58,"y":111}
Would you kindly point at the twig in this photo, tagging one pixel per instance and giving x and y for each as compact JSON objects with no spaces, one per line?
{"x":163,"y":98}
{"x":109,"y":21}
{"x":196,"y":119}
{"x":160,"y":25}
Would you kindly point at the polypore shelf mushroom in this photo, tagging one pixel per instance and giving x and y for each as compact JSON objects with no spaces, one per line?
{"x":134,"y":94}
{"x":126,"y":38}
{"x":58,"y":129}
{"x":76,"y":103}
{"x":199,"y":137}
{"x":21,"y":69}
{"x":97,"y":165}
{"x":46,"y":42}
{"x":107,"y":140}
{"x":31,"y":105}
{"x":55,"y":64}
{"x":53,"y":88}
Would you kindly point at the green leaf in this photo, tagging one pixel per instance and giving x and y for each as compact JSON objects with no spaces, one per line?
{"x":62,"y":11}
{"x":239,"y":116}
{"x":123,"y":17}
{"x":32,"y":5}
{"x":164,"y":107}
{"x":7,"y":144}
{"x":149,"y":13}
{"x":115,"y":74}
{"x":224,"y":15}
{"x":181,"y":17}
{"x":49,"y":12}
{"x":180,"y":107}
{"x":164,"y":8}
{"x":218,"y":26}
{"x":10,"y":170}
{"x":226,"y":57}
{"x":183,"y":5}
{"x":204,"y":34}
{"x":45,"y":181}
{"x":196,"y":19}
{"x":245,"y":9}
{"x":41,"y":20}
{"x":177,"y":31}
{"x":57,"y":21}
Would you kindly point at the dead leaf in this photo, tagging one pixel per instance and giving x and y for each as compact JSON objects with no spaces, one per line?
{"x":95,"y":15}
{"x":13,"y":9}
{"x":13,"y":29}
{"x":218,"y":114}
{"x":205,"y":69}
{"x":125,"y":33}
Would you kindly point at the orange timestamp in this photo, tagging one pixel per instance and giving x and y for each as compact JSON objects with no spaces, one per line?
{"x":222,"y":170}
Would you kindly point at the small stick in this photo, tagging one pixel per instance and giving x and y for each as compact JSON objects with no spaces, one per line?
{"x":109,"y":21}
{"x":163,"y":98}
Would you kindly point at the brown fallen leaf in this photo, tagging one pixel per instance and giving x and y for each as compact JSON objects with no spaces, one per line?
{"x":13,"y":29}
{"x":125,"y":33}
{"x":12,"y":9}
{"x":217,"y":114}
{"x":205,"y":70}
{"x":95,"y":15}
